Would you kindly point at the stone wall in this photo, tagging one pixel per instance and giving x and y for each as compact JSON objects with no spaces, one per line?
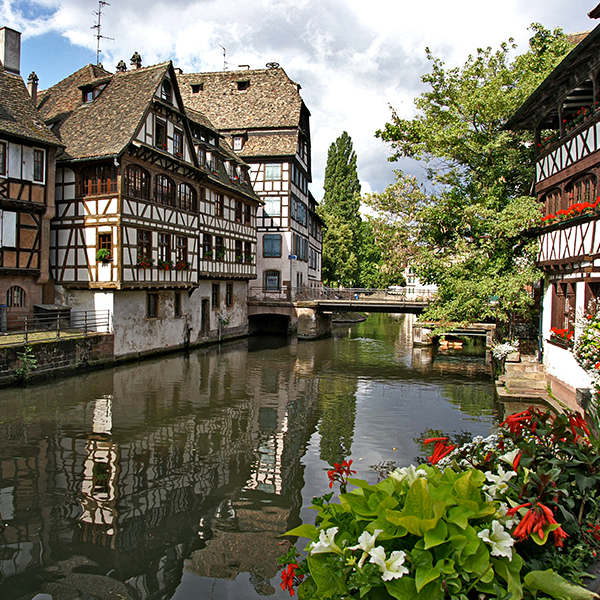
{"x":58,"y":356}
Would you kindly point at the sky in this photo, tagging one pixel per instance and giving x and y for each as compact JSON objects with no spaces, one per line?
{"x":353,"y":58}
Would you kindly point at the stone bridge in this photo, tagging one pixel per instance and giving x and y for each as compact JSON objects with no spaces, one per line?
{"x":308,"y":311}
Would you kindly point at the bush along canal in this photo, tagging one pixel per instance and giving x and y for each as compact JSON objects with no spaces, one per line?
{"x":176,"y":478}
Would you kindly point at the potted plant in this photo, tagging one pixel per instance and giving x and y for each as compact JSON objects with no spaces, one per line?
{"x":221,"y":253}
{"x":249,"y":258}
{"x":103,"y":255}
{"x":182,"y":265}
{"x":208,"y":254}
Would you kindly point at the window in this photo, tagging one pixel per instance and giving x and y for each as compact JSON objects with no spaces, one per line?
{"x":272,"y":207}
{"x":216,"y":289}
{"x":136,"y":182}
{"x":243,"y":85}
{"x":238,"y":211}
{"x":38,"y":165}
{"x":229,"y":294}
{"x":8,"y":231}
{"x":248,"y":251}
{"x":272,"y":172}
{"x":582,"y":190}
{"x":182,"y":248}
{"x":219,"y":248}
{"x":197,"y":87}
{"x":164,"y":246}
{"x":2,"y":158}
{"x":178,"y":142}
{"x":220,"y":205}
{"x":15,"y":297}
{"x":177,"y":304}
{"x":144,"y":244}
{"x":164,"y":190}
{"x":201,"y":157}
{"x":207,"y":246}
{"x":166,"y":91}
{"x":187,"y":197}
{"x":151,"y":305}
{"x":238,"y":142}
{"x":272,"y":281}
{"x":247,"y":214}
{"x":239,"y":252}
{"x":100,"y":179}
{"x":160,"y":138}
{"x":272,"y":245}
{"x":105,"y":242}
{"x":88,"y":96}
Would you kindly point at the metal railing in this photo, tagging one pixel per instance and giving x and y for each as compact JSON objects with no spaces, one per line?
{"x":46,"y":327}
{"x":363,"y":295}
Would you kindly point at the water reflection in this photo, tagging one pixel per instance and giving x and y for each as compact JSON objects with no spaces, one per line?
{"x":174,"y":478}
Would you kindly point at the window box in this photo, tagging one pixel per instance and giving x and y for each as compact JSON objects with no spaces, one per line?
{"x":182,"y":265}
{"x":165,"y":265}
{"x":145,"y":262}
{"x":562,"y":338}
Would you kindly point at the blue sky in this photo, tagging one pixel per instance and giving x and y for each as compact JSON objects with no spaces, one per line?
{"x":354,"y":59}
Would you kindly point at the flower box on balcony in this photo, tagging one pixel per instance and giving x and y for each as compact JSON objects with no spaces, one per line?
{"x":145,"y":262}
{"x":165,"y":265}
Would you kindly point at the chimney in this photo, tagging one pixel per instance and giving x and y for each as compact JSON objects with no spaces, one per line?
{"x":136,"y":61}
{"x":10,"y":49}
{"x":121,"y":67}
{"x":32,"y":85}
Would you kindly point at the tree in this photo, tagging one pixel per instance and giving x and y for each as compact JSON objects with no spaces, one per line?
{"x":340,"y":211}
{"x":467,"y":235}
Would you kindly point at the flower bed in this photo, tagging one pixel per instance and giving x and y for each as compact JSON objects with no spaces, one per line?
{"x":510,"y":516}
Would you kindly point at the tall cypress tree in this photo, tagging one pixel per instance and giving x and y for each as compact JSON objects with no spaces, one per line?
{"x":340,"y":212}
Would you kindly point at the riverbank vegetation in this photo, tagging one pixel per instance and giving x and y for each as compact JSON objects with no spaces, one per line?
{"x":463,"y":230}
{"x":513,"y":516}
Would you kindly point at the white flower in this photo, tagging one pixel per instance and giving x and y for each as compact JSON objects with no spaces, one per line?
{"x":508,"y":521}
{"x":326,"y":542}
{"x":391,"y":568}
{"x":499,"y":482}
{"x":500,"y":540}
{"x":366,"y":543}
{"x":509,"y":457}
{"x":408,"y":474}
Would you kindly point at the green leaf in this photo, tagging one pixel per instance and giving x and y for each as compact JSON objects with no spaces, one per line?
{"x":423,"y":576}
{"x":555,"y":586}
{"x":437,"y":535}
{"x":405,"y":589}
{"x":510,"y":571}
{"x":420,"y":512}
{"x":305,"y":530}
{"x":460,"y":515}
{"x":307,"y":589}
{"x":328,"y":579}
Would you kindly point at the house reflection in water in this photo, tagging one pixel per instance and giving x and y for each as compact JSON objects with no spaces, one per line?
{"x":137,"y":469}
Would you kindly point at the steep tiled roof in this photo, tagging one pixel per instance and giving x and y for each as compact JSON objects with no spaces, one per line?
{"x":283,"y":143}
{"x":18,"y":115}
{"x":105,"y":126}
{"x":271,"y":100}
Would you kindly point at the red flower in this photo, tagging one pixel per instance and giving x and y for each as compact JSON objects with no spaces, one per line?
{"x":534,"y":521}
{"x":289,"y":577}
{"x":577,"y":422}
{"x":442,"y":448}
{"x":340,"y":472}
{"x":517,"y":461}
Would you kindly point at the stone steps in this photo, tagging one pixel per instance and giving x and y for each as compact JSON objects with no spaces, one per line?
{"x":524,"y":380}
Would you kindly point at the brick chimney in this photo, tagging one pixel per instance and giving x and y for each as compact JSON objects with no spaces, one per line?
{"x":10,"y":49}
{"x":32,"y":85}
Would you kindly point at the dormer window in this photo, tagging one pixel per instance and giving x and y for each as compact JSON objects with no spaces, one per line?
{"x":88,"y":96}
{"x":166,"y":91}
{"x":243,"y":85}
{"x":90,"y":93}
{"x":197,"y":87}
{"x":238,"y":142}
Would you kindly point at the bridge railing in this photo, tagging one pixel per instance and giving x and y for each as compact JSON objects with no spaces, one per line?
{"x":391,"y":295}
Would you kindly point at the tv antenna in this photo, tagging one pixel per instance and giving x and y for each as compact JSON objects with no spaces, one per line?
{"x":225,"y":63}
{"x":98,"y":27}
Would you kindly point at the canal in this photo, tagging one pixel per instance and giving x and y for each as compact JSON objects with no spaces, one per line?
{"x":173,"y":478}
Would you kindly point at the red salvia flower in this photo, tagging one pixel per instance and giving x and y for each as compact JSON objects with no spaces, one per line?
{"x":340,"y":472}
{"x":289,"y":577}
{"x":442,"y":448}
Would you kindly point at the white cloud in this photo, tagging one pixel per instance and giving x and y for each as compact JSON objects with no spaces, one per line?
{"x":352,"y":58}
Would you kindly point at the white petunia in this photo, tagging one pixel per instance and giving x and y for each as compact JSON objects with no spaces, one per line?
{"x":392,"y":568}
{"x":499,"y":483}
{"x":366,"y":543}
{"x":508,"y":521}
{"x":326,"y":542}
{"x":408,"y":474}
{"x":500,"y":540}
{"x":509,"y":457}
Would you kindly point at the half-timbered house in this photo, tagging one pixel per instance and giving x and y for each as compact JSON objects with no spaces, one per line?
{"x":27,"y":155}
{"x":263,"y":116}
{"x":563,"y":113}
{"x":155,"y":219}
